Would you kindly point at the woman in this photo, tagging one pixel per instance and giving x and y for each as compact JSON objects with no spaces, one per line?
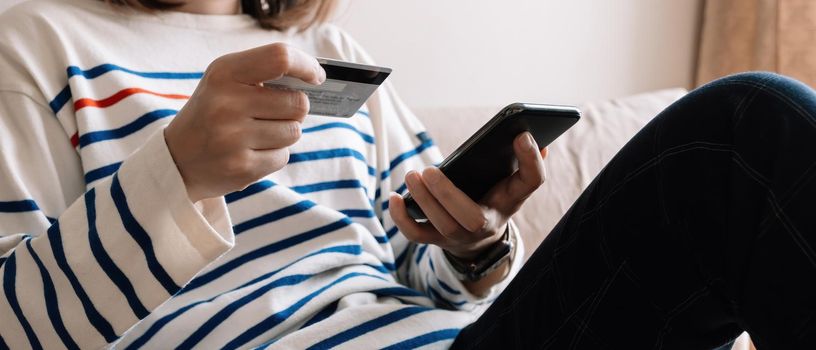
{"x":197,"y":235}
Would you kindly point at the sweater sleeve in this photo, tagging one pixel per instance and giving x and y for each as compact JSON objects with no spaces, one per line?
{"x":403,"y":145}
{"x":79,"y":272}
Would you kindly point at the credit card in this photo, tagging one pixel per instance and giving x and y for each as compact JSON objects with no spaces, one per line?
{"x":347,"y":87}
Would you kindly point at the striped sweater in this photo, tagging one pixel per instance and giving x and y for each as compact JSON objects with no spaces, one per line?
{"x":100,"y":246}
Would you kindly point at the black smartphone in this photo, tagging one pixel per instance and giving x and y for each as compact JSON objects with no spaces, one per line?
{"x":487,"y":156}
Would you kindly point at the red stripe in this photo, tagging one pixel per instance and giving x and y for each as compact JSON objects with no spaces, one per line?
{"x":115,"y":98}
{"x":75,"y":139}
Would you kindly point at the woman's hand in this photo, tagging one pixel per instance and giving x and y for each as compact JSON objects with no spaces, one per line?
{"x":233,"y":131}
{"x":458,"y":224}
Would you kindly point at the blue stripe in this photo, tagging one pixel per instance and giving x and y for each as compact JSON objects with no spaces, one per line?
{"x":130,"y":128}
{"x":51,"y":301}
{"x":358,"y":213}
{"x":60,"y":100}
{"x":379,"y":267}
{"x":364,"y":113}
{"x":141,"y":237}
{"x":101,"y":172}
{"x":3,"y":345}
{"x":420,"y":252}
{"x":398,"y":292}
{"x":402,"y":157}
{"x":335,"y":125}
{"x":381,"y":239}
{"x":106,"y":262}
{"x":321,"y":315}
{"x":330,"y":154}
{"x":391,"y":232}
{"x":328,"y":185}
{"x":160,"y":323}
{"x":423,"y":136}
{"x":262,"y":252}
{"x":257,"y":187}
{"x":18,"y":206}
{"x":448,"y":288}
{"x":9,"y":288}
{"x":97,"y":320}
{"x":353,"y":249}
{"x":401,"y":257}
{"x":435,"y":296}
{"x":325,"y":154}
{"x":101,"y":69}
{"x":368,"y":326}
{"x":390,"y":266}
{"x":425,"y":339}
{"x":401,"y":190}
{"x":222,"y":315}
{"x":2,"y":261}
{"x":446,"y":303}
{"x":275,"y":319}
{"x":273,"y":216}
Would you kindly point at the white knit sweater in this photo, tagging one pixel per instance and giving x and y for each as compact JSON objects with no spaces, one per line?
{"x":101,"y":246}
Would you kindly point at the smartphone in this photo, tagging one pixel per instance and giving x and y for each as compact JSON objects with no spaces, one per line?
{"x":487,"y":156}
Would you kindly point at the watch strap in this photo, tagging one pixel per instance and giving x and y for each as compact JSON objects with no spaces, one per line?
{"x":486,"y":262}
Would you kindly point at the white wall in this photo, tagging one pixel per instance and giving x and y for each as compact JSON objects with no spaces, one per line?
{"x":483,"y":52}
{"x":492,"y":52}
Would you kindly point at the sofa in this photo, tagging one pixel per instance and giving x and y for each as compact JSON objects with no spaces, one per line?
{"x":574,"y":159}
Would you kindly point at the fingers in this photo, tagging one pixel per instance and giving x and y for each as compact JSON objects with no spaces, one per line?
{"x":265,"y":162}
{"x":273,"y":61}
{"x":459,"y":205}
{"x":530,"y":174}
{"x":262,"y":134}
{"x":509,"y":194}
{"x":266,"y":103}
{"x":413,"y":231}
{"x":436,"y":213}
{"x":232,"y":131}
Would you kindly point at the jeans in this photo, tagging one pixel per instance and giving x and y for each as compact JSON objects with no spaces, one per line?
{"x":703,"y":226}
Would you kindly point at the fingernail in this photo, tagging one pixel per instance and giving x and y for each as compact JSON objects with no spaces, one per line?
{"x":409,"y":176}
{"x":529,"y":142}
{"x":431,"y":176}
{"x":321,"y":78}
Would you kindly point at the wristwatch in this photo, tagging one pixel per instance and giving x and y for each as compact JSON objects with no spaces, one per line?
{"x":488,"y":261}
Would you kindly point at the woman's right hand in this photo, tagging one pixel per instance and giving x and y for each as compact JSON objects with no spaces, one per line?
{"x":233,"y":131}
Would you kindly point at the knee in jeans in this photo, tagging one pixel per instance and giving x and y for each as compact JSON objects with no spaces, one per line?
{"x":758,"y":78}
{"x":771,"y":84}
{"x":776,"y":89}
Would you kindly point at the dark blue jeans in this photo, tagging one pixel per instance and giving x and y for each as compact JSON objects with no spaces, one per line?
{"x":703,"y":226}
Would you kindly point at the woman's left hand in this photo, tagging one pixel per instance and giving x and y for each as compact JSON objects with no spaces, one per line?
{"x":458,"y":224}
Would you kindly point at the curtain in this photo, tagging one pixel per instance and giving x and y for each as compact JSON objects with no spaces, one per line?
{"x":771,"y":35}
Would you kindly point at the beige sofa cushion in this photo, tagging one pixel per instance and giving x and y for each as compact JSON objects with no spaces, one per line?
{"x":574,"y":159}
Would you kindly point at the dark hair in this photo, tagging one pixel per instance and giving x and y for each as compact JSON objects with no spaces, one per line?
{"x":271,"y":14}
